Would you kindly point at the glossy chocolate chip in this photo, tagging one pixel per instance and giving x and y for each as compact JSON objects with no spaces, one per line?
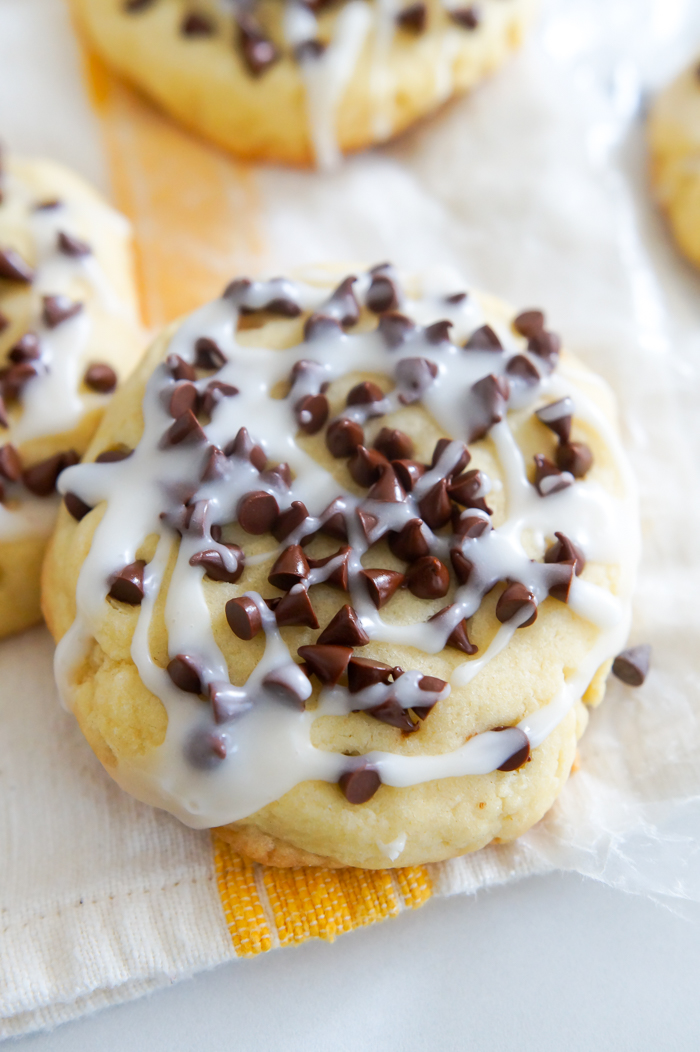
{"x":564,"y":551}
{"x":343,"y":303}
{"x":393,"y":714}
{"x":289,"y":568}
{"x":289,"y":520}
{"x":560,"y":580}
{"x":365,"y":672}
{"x":483,"y":339}
{"x":557,"y":417}
{"x":548,"y":478}
{"x":516,"y":599}
{"x":338,"y":575}
{"x":394,"y":444}
{"x":284,"y":684}
{"x":197,"y":24}
{"x":529,"y":323}
{"x":413,"y":18}
{"x":57,"y":309}
{"x":312,"y":413}
{"x":14,"y":268}
{"x":365,"y":393}
{"x":185,"y":429}
{"x":366,"y":465}
{"x":10,"y":463}
{"x":522,"y":751}
{"x":41,"y":478}
{"x":414,"y":376}
{"x":487,"y":405}
{"x":208,"y":354}
{"x":466,"y":17}
{"x":359,"y":785}
{"x":387,"y":488}
{"x":521,"y":370}
{"x":438,"y":332}
{"x":257,"y":512}
{"x":458,"y":638}
{"x":632,"y":665}
{"x":101,"y":378}
{"x":215,"y":392}
{"x":185,"y":674}
{"x":228,"y":702}
{"x":327,"y":663}
{"x":343,"y":437}
{"x":183,"y":399}
{"x":460,"y":462}
{"x":435,"y":506}
{"x":382,"y":584}
{"x":408,"y":472}
{"x":432,"y":684}
{"x":112,"y":456}
{"x":428,"y":578}
{"x":470,"y":526}
{"x":345,"y":629}
{"x":77,"y":507}
{"x":461,"y":565}
{"x":127,"y":585}
{"x":72,"y":246}
{"x":546,"y":345}
{"x":334,"y":524}
{"x":382,"y":294}
{"x":466,"y":490}
{"x":295,"y":609}
{"x":244,"y":447}
{"x":575,"y":457}
{"x":409,"y":543}
{"x":179,"y":368}
{"x":279,"y":476}
{"x":214,"y":564}
{"x":27,"y":349}
{"x":243,"y":617}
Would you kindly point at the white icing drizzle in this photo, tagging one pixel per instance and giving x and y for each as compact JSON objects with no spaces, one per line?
{"x":210,"y":773}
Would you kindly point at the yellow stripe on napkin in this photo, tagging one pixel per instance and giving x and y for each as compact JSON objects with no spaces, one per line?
{"x":196,"y":223}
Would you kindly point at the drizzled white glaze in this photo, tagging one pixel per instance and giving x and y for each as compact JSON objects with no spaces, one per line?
{"x":269,"y":747}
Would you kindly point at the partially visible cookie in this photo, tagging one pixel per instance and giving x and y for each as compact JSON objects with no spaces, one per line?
{"x":303,"y":80}
{"x":360,"y":569}
{"x":69,"y":332}
{"x":674,"y":140}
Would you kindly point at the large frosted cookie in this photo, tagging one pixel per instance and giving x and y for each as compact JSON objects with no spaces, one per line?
{"x":298,"y":80}
{"x":368,"y":552}
{"x":674,"y":139}
{"x":69,"y":331}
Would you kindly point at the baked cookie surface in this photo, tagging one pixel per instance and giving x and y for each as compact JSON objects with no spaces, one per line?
{"x":293,"y":81}
{"x":674,"y":141}
{"x":69,"y":331}
{"x":353,"y":559}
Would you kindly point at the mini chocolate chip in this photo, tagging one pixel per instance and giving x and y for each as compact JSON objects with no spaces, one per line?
{"x":409,"y":543}
{"x":471,"y":526}
{"x":394,"y":444}
{"x":10,"y":463}
{"x":215,"y":565}
{"x":522,"y":751}
{"x":127,"y":585}
{"x":515,"y":599}
{"x":338,"y":576}
{"x":483,"y":339}
{"x":41,"y":478}
{"x":289,"y":520}
{"x":432,"y":684}
{"x":113,"y":456}
{"x":564,"y":551}
{"x":72,"y":246}
{"x":343,"y":437}
{"x":179,"y":368}
{"x":184,"y":673}
{"x":632,"y":665}
{"x":365,"y":393}
{"x":393,"y":714}
{"x":185,"y":429}
{"x":414,"y":376}
{"x":382,"y":294}
{"x":365,"y":672}
{"x":295,"y":608}
{"x":557,"y":417}
{"x":546,"y":345}
{"x":461,"y":565}
{"x":13,"y":267}
{"x":461,"y":462}
{"x":215,"y":392}
{"x":183,"y":399}
{"x":408,"y":472}
{"x":575,"y":457}
{"x":343,"y":303}
{"x":197,"y":24}
{"x":359,"y":785}
{"x":387,"y":488}
{"x":466,"y":490}
{"x":27,"y":349}
{"x":466,"y":17}
{"x":394,"y":328}
{"x":369,"y":523}
{"x":413,"y":18}
{"x":382,"y":584}
{"x":487,"y":405}
{"x":243,"y":617}
{"x":458,"y":638}
{"x":428,"y":578}
{"x":57,"y":309}
{"x":548,"y":478}
{"x":529,"y":323}
{"x":366,"y":465}
{"x":101,"y":378}
{"x":335,"y":525}
{"x":289,"y":568}
{"x":345,"y":629}
{"x":208,"y":354}
{"x":435,"y":506}
{"x":327,"y":663}
{"x":259,"y":53}
{"x":244,"y":447}
{"x":520,"y":369}
{"x":312,"y":413}
{"x":77,"y":507}
{"x":560,"y":580}
{"x":257,"y":512}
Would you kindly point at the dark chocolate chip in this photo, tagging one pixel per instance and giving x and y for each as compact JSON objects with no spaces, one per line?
{"x":471,"y":526}
{"x":57,"y":309}
{"x":548,"y":478}
{"x":564,"y":551}
{"x":259,"y":53}
{"x":257,"y":512}
{"x":312,"y":413}
{"x":394,"y":328}
{"x":382,"y":294}
{"x":335,"y":525}
{"x":338,"y":576}
{"x":27,"y":349}
{"x":366,"y":465}
{"x":546,"y":345}
{"x":432,"y":684}
{"x":10,"y":463}
{"x":413,"y":18}
{"x":409,"y":543}
{"x":394,"y":444}
{"x":13,"y":267}
{"x":435,"y":506}
{"x":77,"y":507}
{"x":529,"y":323}
{"x":522,"y":751}
{"x":244,"y":447}
{"x":179,"y":368}
{"x":208,"y":354}
{"x":72,"y":246}
{"x":461,"y":462}
{"x":561,"y":579}
{"x":557,"y":417}
{"x":185,"y":674}
{"x":327,"y":663}
{"x":279,"y":476}
{"x":414,"y":376}
{"x":458,"y":638}
{"x":295,"y":608}
{"x":466,"y":17}
{"x":382,"y":584}
{"x":127,"y":584}
{"x":428,"y":578}
{"x":366,"y":672}
{"x":289,"y":568}
{"x":461,"y":565}
{"x":197,"y":24}
{"x":387,"y":488}
{"x":183,"y":399}
{"x":438,"y":332}
{"x":632,"y":665}
{"x":215,"y":565}
{"x":101,"y":378}
{"x":289,"y":520}
{"x":343,"y":437}
{"x":465,"y":490}
{"x":575,"y":457}
{"x":113,"y":456}
{"x":483,"y":339}
{"x":345,"y":629}
{"x":408,"y":472}
{"x":185,"y":429}
{"x":365,"y":393}
{"x":343,"y":303}
{"x":487,"y":405}
{"x":320,"y":327}
{"x":243,"y":617}
{"x":41,"y":478}
{"x":215,"y":392}
{"x":284,"y":686}
{"x":359,"y":785}
{"x":520,"y":369}
{"x":369,"y":523}
{"x":392,"y":713}
{"x":515,"y":599}
{"x":216,"y":466}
